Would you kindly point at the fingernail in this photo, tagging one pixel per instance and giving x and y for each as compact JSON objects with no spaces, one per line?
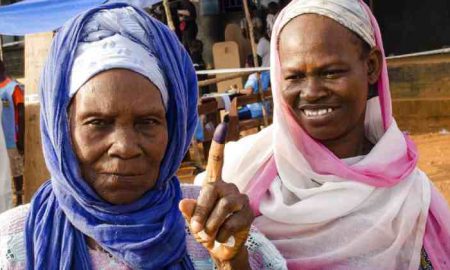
{"x":216,"y":246}
{"x":202,"y":234}
{"x":230,"y":242}
{"x":195,"y":226}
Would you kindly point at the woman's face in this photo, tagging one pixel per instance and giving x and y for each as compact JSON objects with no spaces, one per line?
{"x":325,"y":76}
{"x":119,"y":133}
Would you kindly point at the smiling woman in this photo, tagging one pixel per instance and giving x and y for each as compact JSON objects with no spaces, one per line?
{"x":326,"y":78}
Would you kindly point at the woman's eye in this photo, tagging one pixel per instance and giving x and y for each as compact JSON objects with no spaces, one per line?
{"x":295,"y":77}
{"x":98,"y":123}
{"x":147,"y":122}
{"x":332,"y":74}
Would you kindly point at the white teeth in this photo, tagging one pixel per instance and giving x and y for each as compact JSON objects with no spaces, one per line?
{"x":318,"y":112}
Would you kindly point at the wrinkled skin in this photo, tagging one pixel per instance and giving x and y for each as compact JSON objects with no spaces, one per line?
{"x":326,"y":67}
{"x":119,"y":133}
{"x":220,"y":212}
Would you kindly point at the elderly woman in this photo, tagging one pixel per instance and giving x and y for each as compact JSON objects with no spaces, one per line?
{"x":5,"y":174}
{"x":118,"y":104}
{"x":334,"y":182}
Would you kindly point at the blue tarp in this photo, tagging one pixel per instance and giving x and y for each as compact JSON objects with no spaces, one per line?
{"x":33,"y":16}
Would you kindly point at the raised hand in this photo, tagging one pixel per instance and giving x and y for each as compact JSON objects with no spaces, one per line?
{"x":220,"y":220}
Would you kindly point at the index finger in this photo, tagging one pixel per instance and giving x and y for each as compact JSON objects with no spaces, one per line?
{"x":208,"y":194}
{"x":216,"y":153}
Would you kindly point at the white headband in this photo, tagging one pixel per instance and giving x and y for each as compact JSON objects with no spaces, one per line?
{"x":349,"y":13}
{"x":112,"y":52}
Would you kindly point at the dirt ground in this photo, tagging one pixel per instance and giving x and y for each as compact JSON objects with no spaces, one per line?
{"x":434,"y":153}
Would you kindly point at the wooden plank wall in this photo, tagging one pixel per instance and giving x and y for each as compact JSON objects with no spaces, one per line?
{"x":420,"y":89}
{"x":36,"y":52}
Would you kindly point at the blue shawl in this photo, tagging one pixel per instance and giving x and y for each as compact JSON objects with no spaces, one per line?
{"x":147,"y":234}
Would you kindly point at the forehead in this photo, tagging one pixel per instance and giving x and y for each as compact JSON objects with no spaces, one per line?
{"x":309,"y":32}
{"x":118,"y":90}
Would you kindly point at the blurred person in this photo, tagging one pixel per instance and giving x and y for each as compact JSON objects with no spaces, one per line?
{"x":251,"y":86}
{"x":187,"y":15}
{"x":263,"y":47}
{"x":272,"y":12}
{"x":13,"y":122}
{"x":256,"y":21}
{"x":196,"y":54}
{"x":5,"y":173}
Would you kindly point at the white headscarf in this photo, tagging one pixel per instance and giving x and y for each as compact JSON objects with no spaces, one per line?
{"x":349,"y":13}
{"x":115,"y":51}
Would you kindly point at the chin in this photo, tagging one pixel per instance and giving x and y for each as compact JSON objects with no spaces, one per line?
{"x":121,"y":190}
{"x":320,"y":136}
{"x":324,"y":133}
{"x":121,"y":198}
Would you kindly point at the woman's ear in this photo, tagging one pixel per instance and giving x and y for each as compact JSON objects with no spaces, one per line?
{"x":374,"y":65}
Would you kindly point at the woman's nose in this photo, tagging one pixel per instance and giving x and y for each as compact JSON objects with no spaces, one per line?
{"x":313,"y":90}
{"x":125,"y":143}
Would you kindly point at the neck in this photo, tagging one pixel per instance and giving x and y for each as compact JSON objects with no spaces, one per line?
{"x":350,"y":145}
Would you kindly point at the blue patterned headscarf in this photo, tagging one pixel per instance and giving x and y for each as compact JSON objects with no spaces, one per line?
{"x":146,"y":234}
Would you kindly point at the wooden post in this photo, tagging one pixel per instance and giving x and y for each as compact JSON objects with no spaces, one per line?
{"x":168,"y":15}
{"x":36,"y":50}
{"x":255,"y":59}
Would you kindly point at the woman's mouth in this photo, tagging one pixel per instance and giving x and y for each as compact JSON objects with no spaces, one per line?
{"x":122,"y":179}
{"x":121,"y":174}
{"x":311,"y":113}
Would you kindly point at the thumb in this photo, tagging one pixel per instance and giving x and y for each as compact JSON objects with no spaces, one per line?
{"x":187,"y":207}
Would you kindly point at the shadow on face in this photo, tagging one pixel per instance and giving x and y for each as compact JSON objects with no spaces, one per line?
{"x":119,"y":133}
{"x":326,"y":73}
